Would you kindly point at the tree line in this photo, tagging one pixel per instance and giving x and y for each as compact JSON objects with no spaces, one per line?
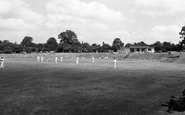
{"x":70,"y":43}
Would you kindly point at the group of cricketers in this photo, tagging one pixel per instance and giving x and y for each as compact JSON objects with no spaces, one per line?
{"x":41,"y":59}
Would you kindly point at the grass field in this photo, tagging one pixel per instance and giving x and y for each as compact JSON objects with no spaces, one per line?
{"x":136,"y":87}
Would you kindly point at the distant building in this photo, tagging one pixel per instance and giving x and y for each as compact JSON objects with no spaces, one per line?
{"x":139,"y":49}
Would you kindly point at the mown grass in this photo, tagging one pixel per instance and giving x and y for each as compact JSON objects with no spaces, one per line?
{"x":134,"y":88}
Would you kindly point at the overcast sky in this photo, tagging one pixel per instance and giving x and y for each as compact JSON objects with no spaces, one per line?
{"x":93,"y":21}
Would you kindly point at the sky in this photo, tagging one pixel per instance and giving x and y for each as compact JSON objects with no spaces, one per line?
{"x":93,"y":21}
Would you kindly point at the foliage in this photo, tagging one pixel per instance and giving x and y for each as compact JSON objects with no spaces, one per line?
{"x":7,"y":51}
{"x":128,"y":45}
{"x":167,"y":46}
{"x":27,"y":44}
{"x":41,"y":47}
{"x":64,"y":48}
{"x":105,"y":47}
{"x":158,"y":46}
{"x":117,"y":44}
{"x":86,"y":47}
{"x":182,"y":43}
{"x":8,"y":47}
{"x":68,"y":37}
{"x":27,"y":41}
{"x":70,"y":43}
{"x":95,"y":47}
{"x":16,"y":48}
{"x":140,"y":44}
{"x":52,"y":44}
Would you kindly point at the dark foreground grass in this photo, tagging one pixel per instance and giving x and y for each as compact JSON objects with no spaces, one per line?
{"x":134,"y":88}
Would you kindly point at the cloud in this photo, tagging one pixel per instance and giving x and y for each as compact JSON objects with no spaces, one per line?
{"x":93,"y":22}
{"x":14,"y":24}
{"x":106,"y":36}
{"x":160,"y":33}
{"x":166,"y":29}
{"x":76,"y":8}
{"x":159,"y":20}
{"x":160,"y":7}
{"x":5,"y":7}
{"x":90,"y":21}
{"x":76,"y":14}
{"x":17,"y":13}
{"x":9,"y":6}
{"x":31,"y":17}
{"x":17,"y":19}
{"x":164,"y":33}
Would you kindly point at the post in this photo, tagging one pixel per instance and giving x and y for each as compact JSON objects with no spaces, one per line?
{"x":42,"y":59}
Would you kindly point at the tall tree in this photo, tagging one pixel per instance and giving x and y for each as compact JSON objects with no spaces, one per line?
{"x":95,"y":47}
{"x":41,"y":47}
{"x":117,"y":44}
{"x":6,"y":47}
{"x":52,"y":44}
{"x":68,"y":37}
{"x":27,"y":44}
{"x":86,"y":47}
{"x":158,"y":46}
{"x":167,"y":46}
{"x":27,"y":41}
{"x":68,"y":42}
{"x":182,"y":33}
{"x":105,"y":47}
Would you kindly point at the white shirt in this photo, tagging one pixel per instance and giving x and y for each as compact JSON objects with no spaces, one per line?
{"x":2,"y":59}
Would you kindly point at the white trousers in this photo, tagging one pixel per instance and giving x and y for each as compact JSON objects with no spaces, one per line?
{"x":56,"y":59}
{"x":1,"y":64}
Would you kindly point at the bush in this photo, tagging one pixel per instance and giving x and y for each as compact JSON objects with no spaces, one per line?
{"x":7,"y":51}
{"x":1,"y":51}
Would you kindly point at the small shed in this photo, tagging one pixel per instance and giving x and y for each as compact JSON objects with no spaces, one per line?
{"x":139,"y":49}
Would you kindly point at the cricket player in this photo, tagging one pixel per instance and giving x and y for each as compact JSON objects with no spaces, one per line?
{"x":41,"y":59}
{"x":115,"y":61}
{"x":38,"y":58}
{"x":2,"y":62}
{"x":61,"y":59}
{"x":56,"y":58}
{"x":77,"y":60}
{"x":93,"y":59}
